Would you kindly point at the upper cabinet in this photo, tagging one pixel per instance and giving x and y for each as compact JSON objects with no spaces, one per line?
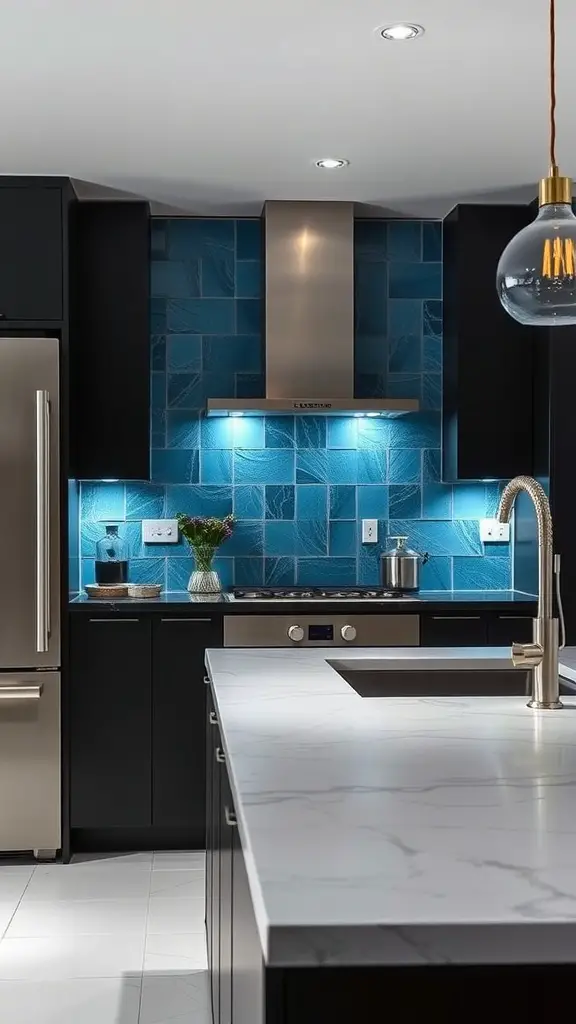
{"x":488,"y":357}
{"x":110,"y":341}
{"x":31,"y":251}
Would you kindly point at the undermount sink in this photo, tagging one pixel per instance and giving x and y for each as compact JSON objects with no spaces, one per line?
{"x":427,"y":679}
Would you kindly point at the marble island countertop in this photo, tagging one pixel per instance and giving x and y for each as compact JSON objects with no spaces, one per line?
{"x":399,"y":830}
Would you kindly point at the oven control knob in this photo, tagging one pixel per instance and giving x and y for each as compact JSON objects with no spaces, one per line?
{"x":348,"y":633}
{"x":296,"y":633}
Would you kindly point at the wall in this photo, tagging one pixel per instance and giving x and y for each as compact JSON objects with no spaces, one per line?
{"x":299,"y":486}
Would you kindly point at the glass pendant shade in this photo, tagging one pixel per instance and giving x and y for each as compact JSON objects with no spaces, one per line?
{"x":536,"y":276}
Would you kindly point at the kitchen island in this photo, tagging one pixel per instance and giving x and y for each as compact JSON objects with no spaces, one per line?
{"x":381,"y":835}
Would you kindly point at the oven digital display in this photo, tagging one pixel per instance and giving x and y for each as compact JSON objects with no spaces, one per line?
{"x":320,"y":632}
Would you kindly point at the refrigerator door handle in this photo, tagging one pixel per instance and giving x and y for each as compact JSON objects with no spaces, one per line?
{"x":19,"y":691}
{"x":42,"y":521}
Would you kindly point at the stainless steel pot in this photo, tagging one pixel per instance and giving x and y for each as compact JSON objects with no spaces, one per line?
{"x":400,"y":567}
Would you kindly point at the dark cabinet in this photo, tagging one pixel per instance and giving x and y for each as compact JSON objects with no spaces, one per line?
{"x":487,"y":410}
{"x":178,"y":716}
{"x":213,"y":841}
{"x":453,"y":630}
{"x":458,"y":629}
{"x":210,"y":836}
{"x":111,"y":722}
{"x":31,"y":253}
{"x":248,"y":993}
{"x":234,"y":952}
{"x":508,"y":629}
{"x":227,"y":829}
{"x":137,"y":726}
{"x":110,"y":342}
{"x":555,"y":443}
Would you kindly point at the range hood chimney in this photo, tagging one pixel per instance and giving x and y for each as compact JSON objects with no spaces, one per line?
{"x":309,"y":302}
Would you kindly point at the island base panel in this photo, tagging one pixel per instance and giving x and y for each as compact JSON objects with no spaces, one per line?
{"x":363,"y":995}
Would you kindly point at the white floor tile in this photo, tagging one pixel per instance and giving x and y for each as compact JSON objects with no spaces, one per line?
{"x":7,"y":909}
{"x":18,"y":866}
{"x":80,"y":917}
{"x":22,"y":871}
{"x":178,"y":884}
{"x":103,"y":1001}
{"x":70,"y":956}
{"x":171,"y":917}
{"x":75,"y":946}
{"x":165,"y":954}
{"x":64,"y":883}
{"x":116,"y":860}
{"x":182,"y":999}
{"x":13,"y":884}
{"x":179,"y":860}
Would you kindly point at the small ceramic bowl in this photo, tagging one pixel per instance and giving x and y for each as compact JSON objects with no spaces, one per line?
{"x":109,"y":592}
{"x":144,"y":590}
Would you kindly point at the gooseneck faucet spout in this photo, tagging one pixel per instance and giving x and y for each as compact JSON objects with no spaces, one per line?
{"x":541,"y":656}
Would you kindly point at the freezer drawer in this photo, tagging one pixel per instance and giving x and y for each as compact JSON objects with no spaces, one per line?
{"x":30,"y":761}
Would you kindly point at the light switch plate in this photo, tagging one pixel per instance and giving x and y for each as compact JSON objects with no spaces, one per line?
{"x":369,"y":531}
{"x":493,"y":532}
{"x":159,"y":531}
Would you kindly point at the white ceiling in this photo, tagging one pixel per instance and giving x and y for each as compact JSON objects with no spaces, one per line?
{"x":213,"y":106}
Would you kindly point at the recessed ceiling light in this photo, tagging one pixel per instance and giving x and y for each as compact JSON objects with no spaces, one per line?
{"x":331,"y":163}
{"x":401,"y":32}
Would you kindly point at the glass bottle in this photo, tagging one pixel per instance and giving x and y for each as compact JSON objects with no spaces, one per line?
{"x":111,"y":561}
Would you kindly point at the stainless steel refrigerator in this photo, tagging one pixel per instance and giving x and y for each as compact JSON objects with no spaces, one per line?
{"x":30,"y":817}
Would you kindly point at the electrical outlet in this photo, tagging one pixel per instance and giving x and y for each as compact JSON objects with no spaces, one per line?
{"x":369,"y":531}
{"x":493,"y":532}
{"x":159,"y":531}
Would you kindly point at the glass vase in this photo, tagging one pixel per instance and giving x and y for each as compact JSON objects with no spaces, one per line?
{"x":204,"y":579}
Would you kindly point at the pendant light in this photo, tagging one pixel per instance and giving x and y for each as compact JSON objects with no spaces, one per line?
{"x":536,"y":276}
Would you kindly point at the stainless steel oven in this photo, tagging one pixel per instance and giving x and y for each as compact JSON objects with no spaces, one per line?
{"x":324,"y":630}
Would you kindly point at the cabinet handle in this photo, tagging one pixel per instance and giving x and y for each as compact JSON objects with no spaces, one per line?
{"x":185,"y":620}
{"x":220,"y":755}
{"x":15,"y":691}
{"x":516,"y":618}
{"x":456,"y":618}
{"x":42,"y":521}
{"x":230,"y":817}
{"x":116,"y":621}
{"x":213,"y":718}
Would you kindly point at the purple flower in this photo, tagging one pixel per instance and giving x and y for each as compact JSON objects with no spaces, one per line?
{"x":207,"y":532}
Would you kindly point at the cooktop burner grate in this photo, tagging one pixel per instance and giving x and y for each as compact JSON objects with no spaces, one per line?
{"x":315,"y":594}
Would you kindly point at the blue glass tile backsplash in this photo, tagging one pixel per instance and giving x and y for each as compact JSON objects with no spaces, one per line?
{"x":298,"y":485}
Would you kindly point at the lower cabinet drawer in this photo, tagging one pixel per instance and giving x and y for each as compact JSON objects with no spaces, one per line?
{"x":509,"y":629}
{"x":453,"y":631}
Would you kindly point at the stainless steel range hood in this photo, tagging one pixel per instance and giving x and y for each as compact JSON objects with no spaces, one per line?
{"x":309,"y":293}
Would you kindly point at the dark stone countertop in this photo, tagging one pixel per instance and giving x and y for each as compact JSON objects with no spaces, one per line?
{"x":477,"y":597}
{"x":432,"y":600}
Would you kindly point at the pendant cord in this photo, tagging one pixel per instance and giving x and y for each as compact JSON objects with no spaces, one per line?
{"x":553,"y":169}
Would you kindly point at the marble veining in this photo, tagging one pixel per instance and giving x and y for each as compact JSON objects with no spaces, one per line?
{"x":399,"y":831}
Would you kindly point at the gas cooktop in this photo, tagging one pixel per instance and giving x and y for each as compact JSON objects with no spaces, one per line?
{"x":318,"y":594}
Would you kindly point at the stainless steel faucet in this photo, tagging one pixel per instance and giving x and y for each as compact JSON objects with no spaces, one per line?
{"x":541,"y":656}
